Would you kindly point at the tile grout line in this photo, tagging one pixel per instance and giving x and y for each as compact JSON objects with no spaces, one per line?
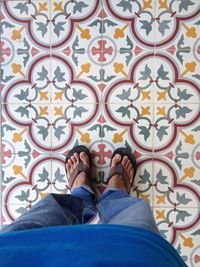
{"x":101,"y":96}
{"x":51,"y":102}
{"x":153,"y":141}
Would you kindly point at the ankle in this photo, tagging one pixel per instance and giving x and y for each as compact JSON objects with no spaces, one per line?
{"x":117,"y":182}
{"x":81,"y":180}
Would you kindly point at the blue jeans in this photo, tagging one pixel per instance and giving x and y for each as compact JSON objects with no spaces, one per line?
{"x":114,"y":207}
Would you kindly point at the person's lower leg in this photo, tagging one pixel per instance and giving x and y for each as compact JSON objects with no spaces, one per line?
{"x":81,"y":186}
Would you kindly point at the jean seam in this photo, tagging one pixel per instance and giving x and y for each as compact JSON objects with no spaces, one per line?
{"x":102,"y":216}
{"x":86,"y":188}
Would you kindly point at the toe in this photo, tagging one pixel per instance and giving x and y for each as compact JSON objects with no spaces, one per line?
{"x":129,"y":168}
{"x":73,"y":159}
{"x":68,"y":167}
{"x":76,"y":156}
{"x":116,"y":159}
{"x":132,"y":172}
{"x":127,"y":164}
{"x":70,"y":162}
{"x":84,"y":158}
{"x":124,"y":160}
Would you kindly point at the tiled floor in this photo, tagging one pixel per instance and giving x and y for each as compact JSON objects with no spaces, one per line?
{"x":105,"y":74}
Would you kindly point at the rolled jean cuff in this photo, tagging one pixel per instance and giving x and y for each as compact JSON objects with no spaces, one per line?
{"x":112,"y":189}
{"x":86,"y":187}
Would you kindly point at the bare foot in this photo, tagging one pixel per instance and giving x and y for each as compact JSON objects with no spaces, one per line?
{"x":82,"y":178}
{"x":116,"y":180}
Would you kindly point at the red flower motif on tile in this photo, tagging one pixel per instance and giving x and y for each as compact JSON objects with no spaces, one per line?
{"x":101,"y":154}
{"x":5,"y":51}
{"x":102,"y":50}
{"x":6,"y":153}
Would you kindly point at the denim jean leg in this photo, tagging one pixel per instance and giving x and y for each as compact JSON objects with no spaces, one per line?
{"x":118,"y":207}
{"x":111,"y":203}
{"x":52,"y":210}
{"x":87,"y":194}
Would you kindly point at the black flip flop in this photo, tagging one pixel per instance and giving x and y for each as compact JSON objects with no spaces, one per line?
{"x":119,"y":169}
{"x":81,"y":166}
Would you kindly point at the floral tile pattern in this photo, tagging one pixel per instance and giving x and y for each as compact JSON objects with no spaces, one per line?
{"x":105,"y":74}
{"x":76,"y":27}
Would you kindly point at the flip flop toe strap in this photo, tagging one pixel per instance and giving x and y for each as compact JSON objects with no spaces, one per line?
{"x":119,"y":169}
{"x":81,"y":167}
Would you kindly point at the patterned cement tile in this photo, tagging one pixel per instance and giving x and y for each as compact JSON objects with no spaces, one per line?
{"x":26,"y":127}
{"x":176,"y":77}
{"x":129,"y":23}
{"x":176,"y":124}
{"x":76,"y":26}
{"x":26,"y":81}
{"x":75,"y":77}
{"x":130,"y":124}
{"x":181,"y":228}
{"x":176,"y":24}
{"x":25,"y":26}
{"x":28,"y":173}
{"x":176,"y":182}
